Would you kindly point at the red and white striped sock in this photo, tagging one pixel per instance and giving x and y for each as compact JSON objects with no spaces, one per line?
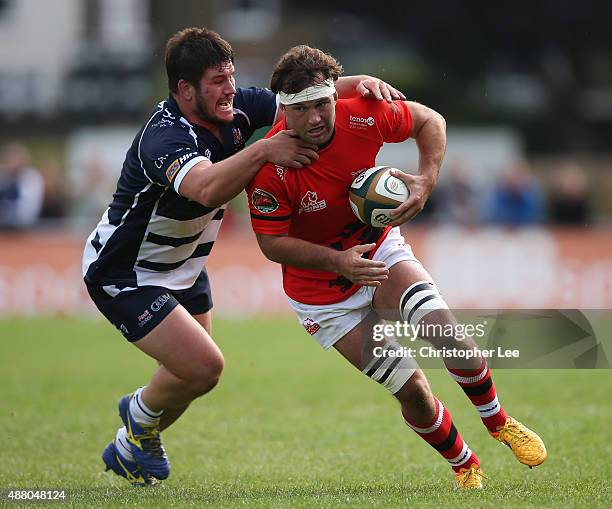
{"x":442,"y":435}
{"x":478,"y":386}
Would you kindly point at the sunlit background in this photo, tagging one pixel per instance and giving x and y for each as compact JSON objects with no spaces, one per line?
{"x":522,"y":213}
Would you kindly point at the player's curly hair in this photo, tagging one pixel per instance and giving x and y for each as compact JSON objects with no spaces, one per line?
{"x":193,"y":50}
{"x":301,"y":67}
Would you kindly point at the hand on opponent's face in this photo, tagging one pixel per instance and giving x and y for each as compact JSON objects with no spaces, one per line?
{"x":285,"y":148}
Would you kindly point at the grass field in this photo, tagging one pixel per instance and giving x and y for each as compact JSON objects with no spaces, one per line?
{"x":289,"y":426}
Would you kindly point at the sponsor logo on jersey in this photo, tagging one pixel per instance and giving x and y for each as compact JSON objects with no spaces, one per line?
{"x":311,"y":326}
{"x":280,"y":171}
{"x":263,"y":201}
{"x":124,"y":329}
{"x":166,"y":120}
{"x":311,"y":203}
{"x":159,"y":162}
{"x":173,"y":170}
{"x":177,"y":164}
{"x":186,"y":157}
{"x":361,"y":122}
{"x":207,"y":153}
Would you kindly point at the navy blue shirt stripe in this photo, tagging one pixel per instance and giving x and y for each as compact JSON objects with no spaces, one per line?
{"x":163,"y":240}
{"x":201,"y":250}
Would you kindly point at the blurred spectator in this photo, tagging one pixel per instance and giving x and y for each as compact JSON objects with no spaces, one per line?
{"x":516,"y":199}
{"x":569,"y":199}
{"x":457,"y":196}
{"x":91,"y":194}
{"x":21,"y":188}
{"x":55,"y":202}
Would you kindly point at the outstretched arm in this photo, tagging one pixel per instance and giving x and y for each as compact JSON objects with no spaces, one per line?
{"x":213,"y":185}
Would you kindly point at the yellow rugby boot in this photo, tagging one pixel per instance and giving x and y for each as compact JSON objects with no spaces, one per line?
{"x":526,"y":445}
{"x":469,"y":478}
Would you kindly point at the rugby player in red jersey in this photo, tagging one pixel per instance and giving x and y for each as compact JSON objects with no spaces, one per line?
{"x":342,"y":277}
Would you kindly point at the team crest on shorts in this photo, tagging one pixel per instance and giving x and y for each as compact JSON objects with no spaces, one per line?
{"x":263,"y":201}
{"x":311,"y":326}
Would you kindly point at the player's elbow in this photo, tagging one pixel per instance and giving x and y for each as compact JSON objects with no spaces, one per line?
{"x":436,"y":119}
{"x":426,"y":119}
{"x":273,"y":257}
{"x":267,"y":245}
{"x":270,"y":254}
{"x":440,"y":120}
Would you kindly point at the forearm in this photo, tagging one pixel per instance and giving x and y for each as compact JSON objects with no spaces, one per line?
{"x":346,"y":86}
{"x":298,"y":253}
{"x":431,"y":142}
{"x":226,"y":179}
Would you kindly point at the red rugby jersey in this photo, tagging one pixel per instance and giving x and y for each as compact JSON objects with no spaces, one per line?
{"x":311,"y":203}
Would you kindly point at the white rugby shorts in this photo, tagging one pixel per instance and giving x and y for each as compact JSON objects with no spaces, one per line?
{"x":328,"y":323}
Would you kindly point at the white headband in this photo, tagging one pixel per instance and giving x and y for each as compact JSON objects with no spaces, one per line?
{"x":318,"y":91}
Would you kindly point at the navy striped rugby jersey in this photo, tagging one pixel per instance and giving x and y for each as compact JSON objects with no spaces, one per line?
{"x":150,"y":234}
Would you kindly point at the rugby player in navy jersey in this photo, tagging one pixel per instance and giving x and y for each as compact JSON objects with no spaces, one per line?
{"x":144,"y":262}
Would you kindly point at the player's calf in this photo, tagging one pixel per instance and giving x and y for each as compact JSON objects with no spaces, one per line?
{"x":478,"y":386}
{"x":441,"y":434}
{"x":416,"y":399}
{"x":428,"y":418}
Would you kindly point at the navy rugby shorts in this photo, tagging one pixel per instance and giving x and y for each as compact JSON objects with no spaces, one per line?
{"x":137,"y":312}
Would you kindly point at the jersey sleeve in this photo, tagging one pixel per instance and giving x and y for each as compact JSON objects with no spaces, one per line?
{"x":269,"y":203}
{"x":258,"y":104}
{"x":395,"y":121}
{"x":167,"y":154}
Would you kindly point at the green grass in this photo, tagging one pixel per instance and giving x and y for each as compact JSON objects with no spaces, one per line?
{"x":289,"y":426}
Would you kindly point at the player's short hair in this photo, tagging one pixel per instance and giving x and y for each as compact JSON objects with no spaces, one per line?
{"x":301,"y":67}
{"x":193,"y":50}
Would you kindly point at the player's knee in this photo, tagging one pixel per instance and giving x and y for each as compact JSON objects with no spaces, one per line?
{"x":207,"y":373}
{"x":215,"y":368}
{"x":420,"y":300}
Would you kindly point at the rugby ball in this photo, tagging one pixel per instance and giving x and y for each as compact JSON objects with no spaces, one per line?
{"x":374,"y":193}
